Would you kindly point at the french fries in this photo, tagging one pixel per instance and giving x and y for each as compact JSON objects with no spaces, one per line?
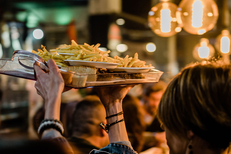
{"x":87,"y":52}
{"x":43,"y":53}
{"x":84,"y":52}
{"x":130,"y":61}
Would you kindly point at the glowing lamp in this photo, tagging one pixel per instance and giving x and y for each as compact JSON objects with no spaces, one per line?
{"x":203,"y":50}
{"x":120,"y":21}
{"x":197,"y":16}
{"x":223,"y":42}
{"x":162,"y":19}
{"x":38,"y":34}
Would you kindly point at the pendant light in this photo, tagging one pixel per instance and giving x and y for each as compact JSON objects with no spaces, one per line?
{"x":162,"y":19}
{"x":203,"y":50}
{"x":197,"y":16}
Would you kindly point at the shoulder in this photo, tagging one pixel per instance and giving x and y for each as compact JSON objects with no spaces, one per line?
{"x":115,"y":148}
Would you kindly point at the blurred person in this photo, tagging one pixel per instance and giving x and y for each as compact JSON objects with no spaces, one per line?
{"x":151,"y":99}
{"x":154,"y":135}
{"x":86,"y":131}
{"x":66,"y":112}
{"x":69,"y":99}
{"x":133,"y":115}
{"x":71,"y":96}
{"x":137,"y":91}
{"x":67,"y":108}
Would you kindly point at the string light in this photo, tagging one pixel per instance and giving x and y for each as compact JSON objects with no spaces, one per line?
{"x":197,"y":16}
{"x":162,"y":19}
{"x":203,"y":50}
{"x":223,"y":42}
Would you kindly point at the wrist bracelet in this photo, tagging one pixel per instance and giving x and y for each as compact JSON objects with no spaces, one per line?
{"x":115,"y":114}
{"x":50,"y":123}
{"x":55,"y":120}
{"x":106,"y":126}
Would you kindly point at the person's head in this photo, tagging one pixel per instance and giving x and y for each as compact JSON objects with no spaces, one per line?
{"x":133,"y":116}
{"x":88,"y":114}
{"x":196,"y":108}
{"x":152,"y":96}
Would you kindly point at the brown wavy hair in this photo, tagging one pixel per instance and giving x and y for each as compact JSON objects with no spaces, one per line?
{"x":199,"y":99}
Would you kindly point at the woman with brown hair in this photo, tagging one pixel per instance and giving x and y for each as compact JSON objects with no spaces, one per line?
{"x":195,"y":109}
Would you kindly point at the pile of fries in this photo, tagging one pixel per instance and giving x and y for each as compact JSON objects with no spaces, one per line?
{"x":84,"y":52}
{"x":87,"y":52}
{"x":130,"y":61}
{"x":43,"y":53}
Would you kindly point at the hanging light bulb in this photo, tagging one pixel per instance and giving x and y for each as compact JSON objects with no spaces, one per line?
{"x":223,"y":43}
{"x":197,"y":16}
{"x":203,"y":50}
{"x":162,"y":19}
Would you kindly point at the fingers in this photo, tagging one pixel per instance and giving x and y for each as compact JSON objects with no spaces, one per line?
{"x":52,"y":66}
{"x":37,"y":88}
{"x":37,"y":69}
{"x":127,"y":86}
{"x":124,"y":88}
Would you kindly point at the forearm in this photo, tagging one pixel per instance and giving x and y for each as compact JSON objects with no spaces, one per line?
{"x":51,"y":133}
{"x":52,"y":110}
{"x":118,"y":131}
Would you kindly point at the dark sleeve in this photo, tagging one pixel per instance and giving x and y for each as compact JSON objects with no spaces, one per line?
{"x":61,"y":141}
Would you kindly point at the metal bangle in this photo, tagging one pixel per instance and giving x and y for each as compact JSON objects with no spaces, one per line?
{"x":107,"y":126}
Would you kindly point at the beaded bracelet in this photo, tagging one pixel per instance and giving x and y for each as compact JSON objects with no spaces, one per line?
{"x":50,"y":123}
{"x":106,"y":126}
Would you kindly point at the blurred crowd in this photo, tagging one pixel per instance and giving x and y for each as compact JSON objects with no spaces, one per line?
{"x":82,"y":111}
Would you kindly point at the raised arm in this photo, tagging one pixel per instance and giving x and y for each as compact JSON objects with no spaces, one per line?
{"x":112,"y":97}
{"x":50,"y":86}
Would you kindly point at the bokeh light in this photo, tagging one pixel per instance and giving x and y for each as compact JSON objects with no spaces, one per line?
{"x":38,"y":34}
{"x":121,"y":47}
{"x":151,"y":47}
{"x":197,"y":16}
{"x":162,"y":19}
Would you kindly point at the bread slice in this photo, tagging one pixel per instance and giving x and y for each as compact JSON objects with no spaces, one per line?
{"x":79,"y":80}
